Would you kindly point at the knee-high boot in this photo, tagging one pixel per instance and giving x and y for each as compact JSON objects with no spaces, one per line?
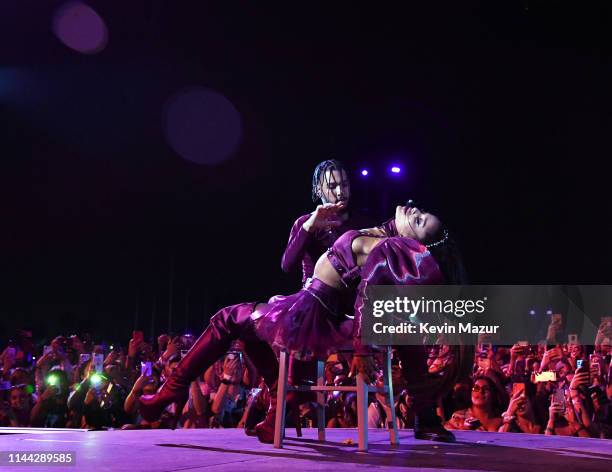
{"x":424,"y":389}
{"x":227,"y":325}
{"x":299,"y":373}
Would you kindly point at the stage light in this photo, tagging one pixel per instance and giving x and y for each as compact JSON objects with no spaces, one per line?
{"x":53,"y":380}
{"x":96,"y":379}
{"x":79,"y":27}
{"x":364,"y":172}
{"x":532,"y":312}
{"x":395,"y":170}
{"x":202,"y":126}
{"x":549,"y":312}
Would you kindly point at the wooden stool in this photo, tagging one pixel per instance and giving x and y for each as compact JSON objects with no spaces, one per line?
{"x":362,"y":389}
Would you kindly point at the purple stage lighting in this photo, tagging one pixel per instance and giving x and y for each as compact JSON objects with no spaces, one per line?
{"x":79,"y":27}
{"x":202,"y":126}
{"x":364,"y":172}
{"x":395,"y":170}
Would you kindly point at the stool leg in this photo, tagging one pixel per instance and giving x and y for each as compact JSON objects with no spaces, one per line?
{"x":362,"y":413}
{"x":321,"y":400}
{"x":281,"y":396}
{"x":391,"y":421}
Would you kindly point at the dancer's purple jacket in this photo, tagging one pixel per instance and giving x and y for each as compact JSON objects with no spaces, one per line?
{"x":395,"y":261}
{"x":305,"y":247}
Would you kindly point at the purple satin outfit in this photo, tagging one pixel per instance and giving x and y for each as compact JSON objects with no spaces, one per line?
{"x":305,"y":247}
{"x":312,"y":323}
{"x":395,"y":261}
{"x":403,"y":261}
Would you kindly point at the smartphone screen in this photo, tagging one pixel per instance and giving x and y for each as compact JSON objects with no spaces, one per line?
{"x":546,"y":376}
{"x":98,"y":361}
{"x":518,"y":388}
{"x":559,"y":397}
{"x":146,"y":369}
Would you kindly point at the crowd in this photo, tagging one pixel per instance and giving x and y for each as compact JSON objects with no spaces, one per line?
{"x":553,"y":389}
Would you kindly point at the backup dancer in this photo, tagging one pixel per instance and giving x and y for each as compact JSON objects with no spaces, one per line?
{"x":313,"y":233}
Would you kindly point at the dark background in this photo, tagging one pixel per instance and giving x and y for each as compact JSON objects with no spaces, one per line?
{"x":500,"y":113}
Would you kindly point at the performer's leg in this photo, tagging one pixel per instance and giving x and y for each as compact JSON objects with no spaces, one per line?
{"x":228,"y":324}
{"x":424,"y":389}
{"x":262,"y":356}
{"x":299,"y":372}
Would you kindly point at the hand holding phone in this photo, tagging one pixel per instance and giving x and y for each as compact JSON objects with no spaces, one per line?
{"x":472,"y":423}
{"x":557,"y":403}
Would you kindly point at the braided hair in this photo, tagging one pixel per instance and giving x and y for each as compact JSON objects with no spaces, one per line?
{"x":320,"y":173}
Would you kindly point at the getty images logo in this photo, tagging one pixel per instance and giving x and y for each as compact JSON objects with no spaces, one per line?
{"x":415,"y":307}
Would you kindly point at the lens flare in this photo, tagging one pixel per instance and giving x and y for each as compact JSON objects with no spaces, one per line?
{"x":79,"y":27}
{"x":202,"y":126}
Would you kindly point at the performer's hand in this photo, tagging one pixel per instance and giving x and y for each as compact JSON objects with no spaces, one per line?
{"x":363,"y":365}
{"x":324,"y":216}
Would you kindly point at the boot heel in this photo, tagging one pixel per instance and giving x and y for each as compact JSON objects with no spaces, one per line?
{"x":298,"y":422}
{"x":180,"y":405}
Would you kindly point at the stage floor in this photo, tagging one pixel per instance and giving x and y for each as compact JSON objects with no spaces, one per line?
{"x":230,"y":449}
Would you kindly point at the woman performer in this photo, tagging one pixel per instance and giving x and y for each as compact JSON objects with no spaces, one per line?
{"x":309,"y":323}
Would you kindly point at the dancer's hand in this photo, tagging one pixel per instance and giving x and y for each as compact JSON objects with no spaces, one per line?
{"x":363,"y":365}
{"x":324,"y":216}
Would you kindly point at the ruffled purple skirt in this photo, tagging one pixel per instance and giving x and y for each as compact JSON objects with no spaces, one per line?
{"x":310,"y":324}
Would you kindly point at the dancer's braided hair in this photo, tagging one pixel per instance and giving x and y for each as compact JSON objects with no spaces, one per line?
{"x":320,"y":173}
